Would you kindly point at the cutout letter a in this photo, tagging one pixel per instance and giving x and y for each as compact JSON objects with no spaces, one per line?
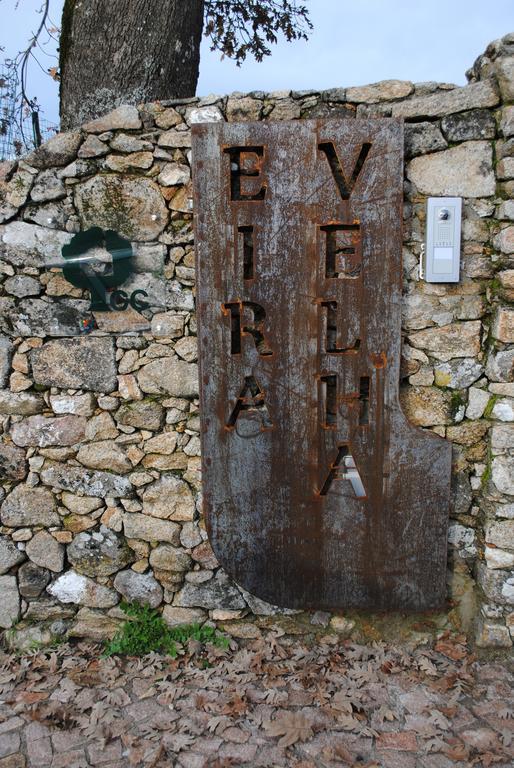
{"x":344,"y":468}
{"x":251,"y":399}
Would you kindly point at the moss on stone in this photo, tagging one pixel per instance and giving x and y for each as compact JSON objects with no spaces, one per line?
{"x":489,"y":407}
{"x":457,"y":400}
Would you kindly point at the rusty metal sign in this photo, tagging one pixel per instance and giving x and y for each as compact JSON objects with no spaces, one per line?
{"x":318,"y":492}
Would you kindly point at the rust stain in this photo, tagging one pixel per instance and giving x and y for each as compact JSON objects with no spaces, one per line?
{"x":380,"y":360}
{"x":317,"y":491}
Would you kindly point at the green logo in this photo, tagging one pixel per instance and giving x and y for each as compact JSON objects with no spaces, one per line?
{"x":84,"y":270}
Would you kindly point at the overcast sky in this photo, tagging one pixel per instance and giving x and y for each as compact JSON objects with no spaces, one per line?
{"x":352,"y":43}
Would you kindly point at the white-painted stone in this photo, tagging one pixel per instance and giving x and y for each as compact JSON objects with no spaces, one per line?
{"x":203,"y":115}
{"x":72,"y":587}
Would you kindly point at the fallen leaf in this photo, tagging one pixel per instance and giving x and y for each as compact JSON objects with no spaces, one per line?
{"x":237,"y":705}
{"x":427,"y":666}
{"x":384,"y":713}
{"x":343,"y":754}
{"x":54,"y":714}
{"x":291,"y":726}
{"x":142,"y":688}
{"x":453,"y":651}
{"x":31,"y":697}
{"x":489,"y":758}
{"x":506,"y":738}
{"x":117,"y":698}
{"x":218,"y":724}
{"x":342,"y":702}
{"x":439,"y":720}
{"x":457,"y":752}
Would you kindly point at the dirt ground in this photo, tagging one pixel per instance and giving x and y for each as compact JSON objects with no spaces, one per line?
{"x":274,"y":701}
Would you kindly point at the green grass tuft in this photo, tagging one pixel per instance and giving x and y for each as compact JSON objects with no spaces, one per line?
{"x":489,"y":407}
{"x":457,"y":400}
{"x":147,"y":632}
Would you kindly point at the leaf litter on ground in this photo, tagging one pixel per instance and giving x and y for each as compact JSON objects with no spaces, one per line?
{"x":275,"y":700}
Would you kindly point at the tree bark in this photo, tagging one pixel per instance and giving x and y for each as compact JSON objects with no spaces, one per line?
{"x":116,"y":52}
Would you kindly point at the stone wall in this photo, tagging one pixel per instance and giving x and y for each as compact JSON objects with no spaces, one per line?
{"x":99,"y":451}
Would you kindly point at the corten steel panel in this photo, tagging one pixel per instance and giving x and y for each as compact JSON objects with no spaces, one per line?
{"x":298,"y":244}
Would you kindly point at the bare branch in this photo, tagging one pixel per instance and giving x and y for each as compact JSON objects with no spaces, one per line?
{"x":25,"y":55}
{"x":26,"y":106}
{"x":241,"y":27}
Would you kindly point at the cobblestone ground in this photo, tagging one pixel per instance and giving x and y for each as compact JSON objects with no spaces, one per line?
{"x":275,"y":701}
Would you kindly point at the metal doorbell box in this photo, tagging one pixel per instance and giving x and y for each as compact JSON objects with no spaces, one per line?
{"x":441,"y":258}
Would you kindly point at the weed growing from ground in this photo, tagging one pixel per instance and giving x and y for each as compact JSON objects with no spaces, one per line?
{"x":147,"y":632}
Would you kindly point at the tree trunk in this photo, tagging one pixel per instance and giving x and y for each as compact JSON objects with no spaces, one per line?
{"x":116,"y":52}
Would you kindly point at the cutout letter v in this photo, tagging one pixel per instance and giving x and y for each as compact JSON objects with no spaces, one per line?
{"x":344,"y":186}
